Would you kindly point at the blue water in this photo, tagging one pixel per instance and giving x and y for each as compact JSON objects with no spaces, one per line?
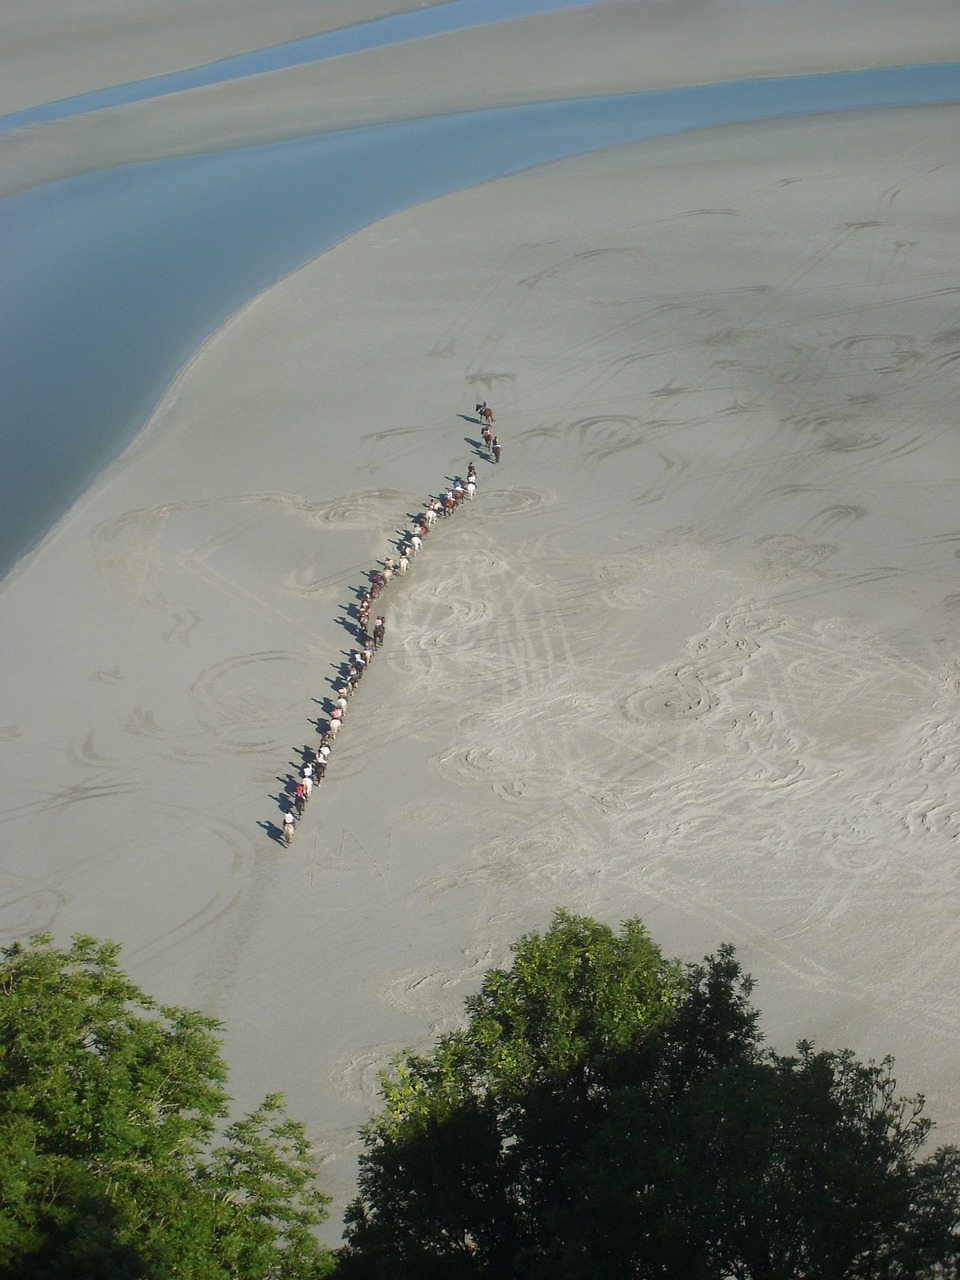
{"x":454,"y":15}
{"x":112,"y":279}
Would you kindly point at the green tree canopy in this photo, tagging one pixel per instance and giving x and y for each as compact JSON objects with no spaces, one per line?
{"x":109,"y":1104}
{"x":607,"y":1113}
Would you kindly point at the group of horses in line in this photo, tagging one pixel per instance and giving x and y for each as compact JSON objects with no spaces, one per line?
{"x":370,"y":638}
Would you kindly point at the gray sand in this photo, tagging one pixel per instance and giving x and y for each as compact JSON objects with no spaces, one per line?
{"x":690,"y":655}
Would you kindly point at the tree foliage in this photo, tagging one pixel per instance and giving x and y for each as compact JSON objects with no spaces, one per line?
{"x":109,"y":1104}
{"x":605,"y":1113}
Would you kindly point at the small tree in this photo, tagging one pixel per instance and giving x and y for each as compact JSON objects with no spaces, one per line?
{"x":108,"y":1105}
{"x":605,"y":1114}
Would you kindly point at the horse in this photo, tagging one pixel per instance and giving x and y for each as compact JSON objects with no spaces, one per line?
{"x":288,"y":828}
{"x":487,"y":436}
{"x":471,"y":489}
{"x":448,"y":506}
{"x":486,"y":414}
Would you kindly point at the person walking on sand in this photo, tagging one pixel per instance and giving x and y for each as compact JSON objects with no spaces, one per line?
{"x":495,"y":447}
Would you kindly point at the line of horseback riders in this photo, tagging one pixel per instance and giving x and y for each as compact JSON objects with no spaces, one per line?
{"x":371,"y":638}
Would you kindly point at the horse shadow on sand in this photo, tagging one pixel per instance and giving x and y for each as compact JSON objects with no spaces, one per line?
{"x":477,"y":446}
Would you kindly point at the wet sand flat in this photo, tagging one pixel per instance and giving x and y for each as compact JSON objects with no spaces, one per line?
{"x":691,"y":654}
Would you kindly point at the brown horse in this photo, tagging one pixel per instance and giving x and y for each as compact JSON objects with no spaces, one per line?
{"x":486,"y":415}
